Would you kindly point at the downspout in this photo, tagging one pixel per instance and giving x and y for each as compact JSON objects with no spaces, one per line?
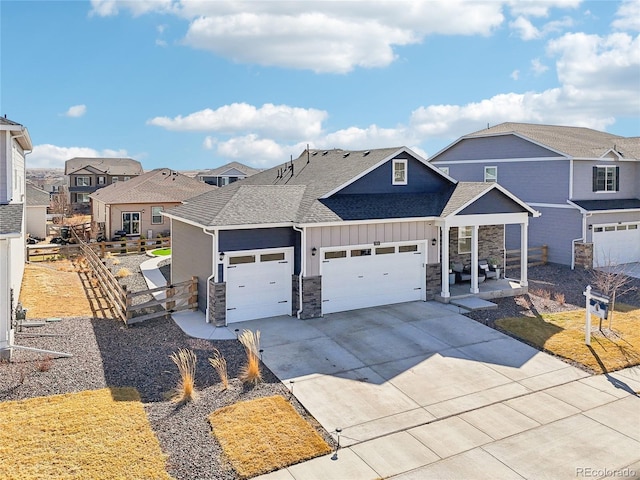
{"x":303,"y":265}
{"x":214,"y":268}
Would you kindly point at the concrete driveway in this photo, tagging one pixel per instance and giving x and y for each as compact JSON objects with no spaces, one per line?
{"x":422,"y":392}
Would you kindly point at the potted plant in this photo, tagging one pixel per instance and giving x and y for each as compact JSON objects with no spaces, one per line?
{"x":493,"y":262}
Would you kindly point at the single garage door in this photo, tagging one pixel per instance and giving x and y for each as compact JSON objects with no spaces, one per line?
{"x":258,"y":284}
{"x":616,"y":244}
{"x":366,"y":277}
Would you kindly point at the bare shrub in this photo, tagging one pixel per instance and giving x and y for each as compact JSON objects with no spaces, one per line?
{"x":44,"y":364}
{"x":219,"y":363}
{"x":123,"y":272}
{"x":250,"y":372}
{"x":559,"y":297}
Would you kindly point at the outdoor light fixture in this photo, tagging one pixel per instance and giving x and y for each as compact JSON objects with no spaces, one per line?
{"x":590,"y":227}
{"x":314,"y":250}
{"x":433,"y":242}
{"x":221,"y":256}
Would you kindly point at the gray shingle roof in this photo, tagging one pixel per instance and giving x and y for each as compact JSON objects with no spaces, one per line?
{"x":464,"y":192}
{"x":576,"y":142}
{"x":229,"y":166}
{"x":6,"y":121}
{"x":618,"y":204}
{"x":110,"y":166}
{"x":11,"y":218}
{"x":36,"y":197}
{"x":161,"y":185}
{"x":321,"y":172}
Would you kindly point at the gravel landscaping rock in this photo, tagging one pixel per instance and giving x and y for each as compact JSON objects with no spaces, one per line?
{"x":108,"y":353}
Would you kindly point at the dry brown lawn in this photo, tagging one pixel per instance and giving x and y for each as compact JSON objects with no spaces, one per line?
{"x":265,"y":434}
{"x":54,"y":289}
{"x":99,"y":434}
{"x":563,"y":334}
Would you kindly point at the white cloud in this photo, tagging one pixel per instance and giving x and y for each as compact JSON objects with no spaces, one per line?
{"x":538,"y":67}
{"x":161,"y":43}
{"x":279,"y":120}
{"x":53,"y":156}
{"x":525,"y":29}
{"x":76,"y":111}
{"x":258,"y":152}
{"x":538,"y":8}
{"x":208,"y":142}
{"x":321,"y":36}
{"x":628,"y":16}
{"x":515,"y":75}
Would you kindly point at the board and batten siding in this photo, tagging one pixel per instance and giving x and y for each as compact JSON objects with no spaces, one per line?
{"x":4,"y":158}
{"x":367,"y":234}
{"x":557,"y":227}
{"x":583,"y":180}
{"x":493,"y":147}
{"x":191,"y":255}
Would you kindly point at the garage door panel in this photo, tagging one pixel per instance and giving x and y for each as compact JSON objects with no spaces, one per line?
{"x":258,"y":289}
{"x":364,"y":281}
{"x":616,"y":244}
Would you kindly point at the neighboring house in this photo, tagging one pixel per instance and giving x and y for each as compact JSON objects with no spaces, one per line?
{"x":136,"y":206}
{"x":15,"y":144}
{"x":585,"y":183}
{"x":337,"y":230}
{"x":86,"y":175}
{"x":53,"y":187}
{"x":226,"y":174}
{"x":37,"y":203}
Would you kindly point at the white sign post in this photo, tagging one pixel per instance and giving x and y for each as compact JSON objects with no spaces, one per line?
{"x":597,"y":304}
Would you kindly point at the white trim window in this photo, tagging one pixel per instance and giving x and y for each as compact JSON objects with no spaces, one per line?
{"x":606,"y":179}
{"x":491,"y":174}
{"x":464,"y":239}
{"x":82,"y":197}
{"x":399,"y":172}
{"x":156,"y":215}
{"x":83,"y":181}
{"x":131,"y":222}
{"x":102,"y":180}
{"x":114,"y":179}
{"x":126,"y":178}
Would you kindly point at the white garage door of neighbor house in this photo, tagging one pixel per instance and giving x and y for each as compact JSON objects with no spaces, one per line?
{"x":355,"y":277}
{"x":616,"y":244}
{"x":258,"y":284}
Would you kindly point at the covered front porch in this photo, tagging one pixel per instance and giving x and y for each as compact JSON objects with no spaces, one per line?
{"x":493,"y":288}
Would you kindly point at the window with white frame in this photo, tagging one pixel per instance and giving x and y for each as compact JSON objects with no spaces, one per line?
{"x":156,"y":215}
{"x":131,"y":222}
{"x":126,"y":178}
{"x":82,"y":198}
{"x":83,"y":181}
{"x":490,"y":174}
{"x":114,"y":179}
{"x":444,"y":170}
{"x":606,"y":179}
{"x":399,"y":172}
{"x":101,"y":180}
{"x":464,"y":239}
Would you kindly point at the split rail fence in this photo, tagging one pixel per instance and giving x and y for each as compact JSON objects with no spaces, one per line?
{"x":43,"y":253}
{"x":535,"y":256}
{"x":172,"y":297}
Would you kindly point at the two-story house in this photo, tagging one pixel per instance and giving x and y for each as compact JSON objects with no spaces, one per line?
{"x":226,"y":174}
{"x":15,"y":144}
{"x":86,"y":175}
{"x":585,"y":183}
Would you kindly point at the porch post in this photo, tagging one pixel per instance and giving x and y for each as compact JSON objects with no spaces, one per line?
{"x":524,"y":245}
{"x":474,"y":259}
{"x":444,"y":261}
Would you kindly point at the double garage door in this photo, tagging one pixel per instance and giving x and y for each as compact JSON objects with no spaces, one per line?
{"x":616,"y":244}
{"x":258,"y":284}
{"x":355,"y":277}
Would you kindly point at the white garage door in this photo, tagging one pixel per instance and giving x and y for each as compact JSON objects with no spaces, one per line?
{"x":366,"y":277}
{"x":616,"y":244}
{"x":258,"y":284}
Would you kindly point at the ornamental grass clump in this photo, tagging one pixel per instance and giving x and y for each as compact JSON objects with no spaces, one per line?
{"x":185,"y":391}
{"x":250,"y":372}
{"x":219,"y":363}
{"x":123,"y":272}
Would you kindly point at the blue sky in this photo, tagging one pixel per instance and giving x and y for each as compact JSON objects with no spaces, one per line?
{"x":193,"y":84}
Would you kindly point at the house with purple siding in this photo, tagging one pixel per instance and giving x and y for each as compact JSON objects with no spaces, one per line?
{"x":339,"y":230}
{"x":585,"y":183}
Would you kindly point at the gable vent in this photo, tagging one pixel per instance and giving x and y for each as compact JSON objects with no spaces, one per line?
{"x":345,"y":155}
